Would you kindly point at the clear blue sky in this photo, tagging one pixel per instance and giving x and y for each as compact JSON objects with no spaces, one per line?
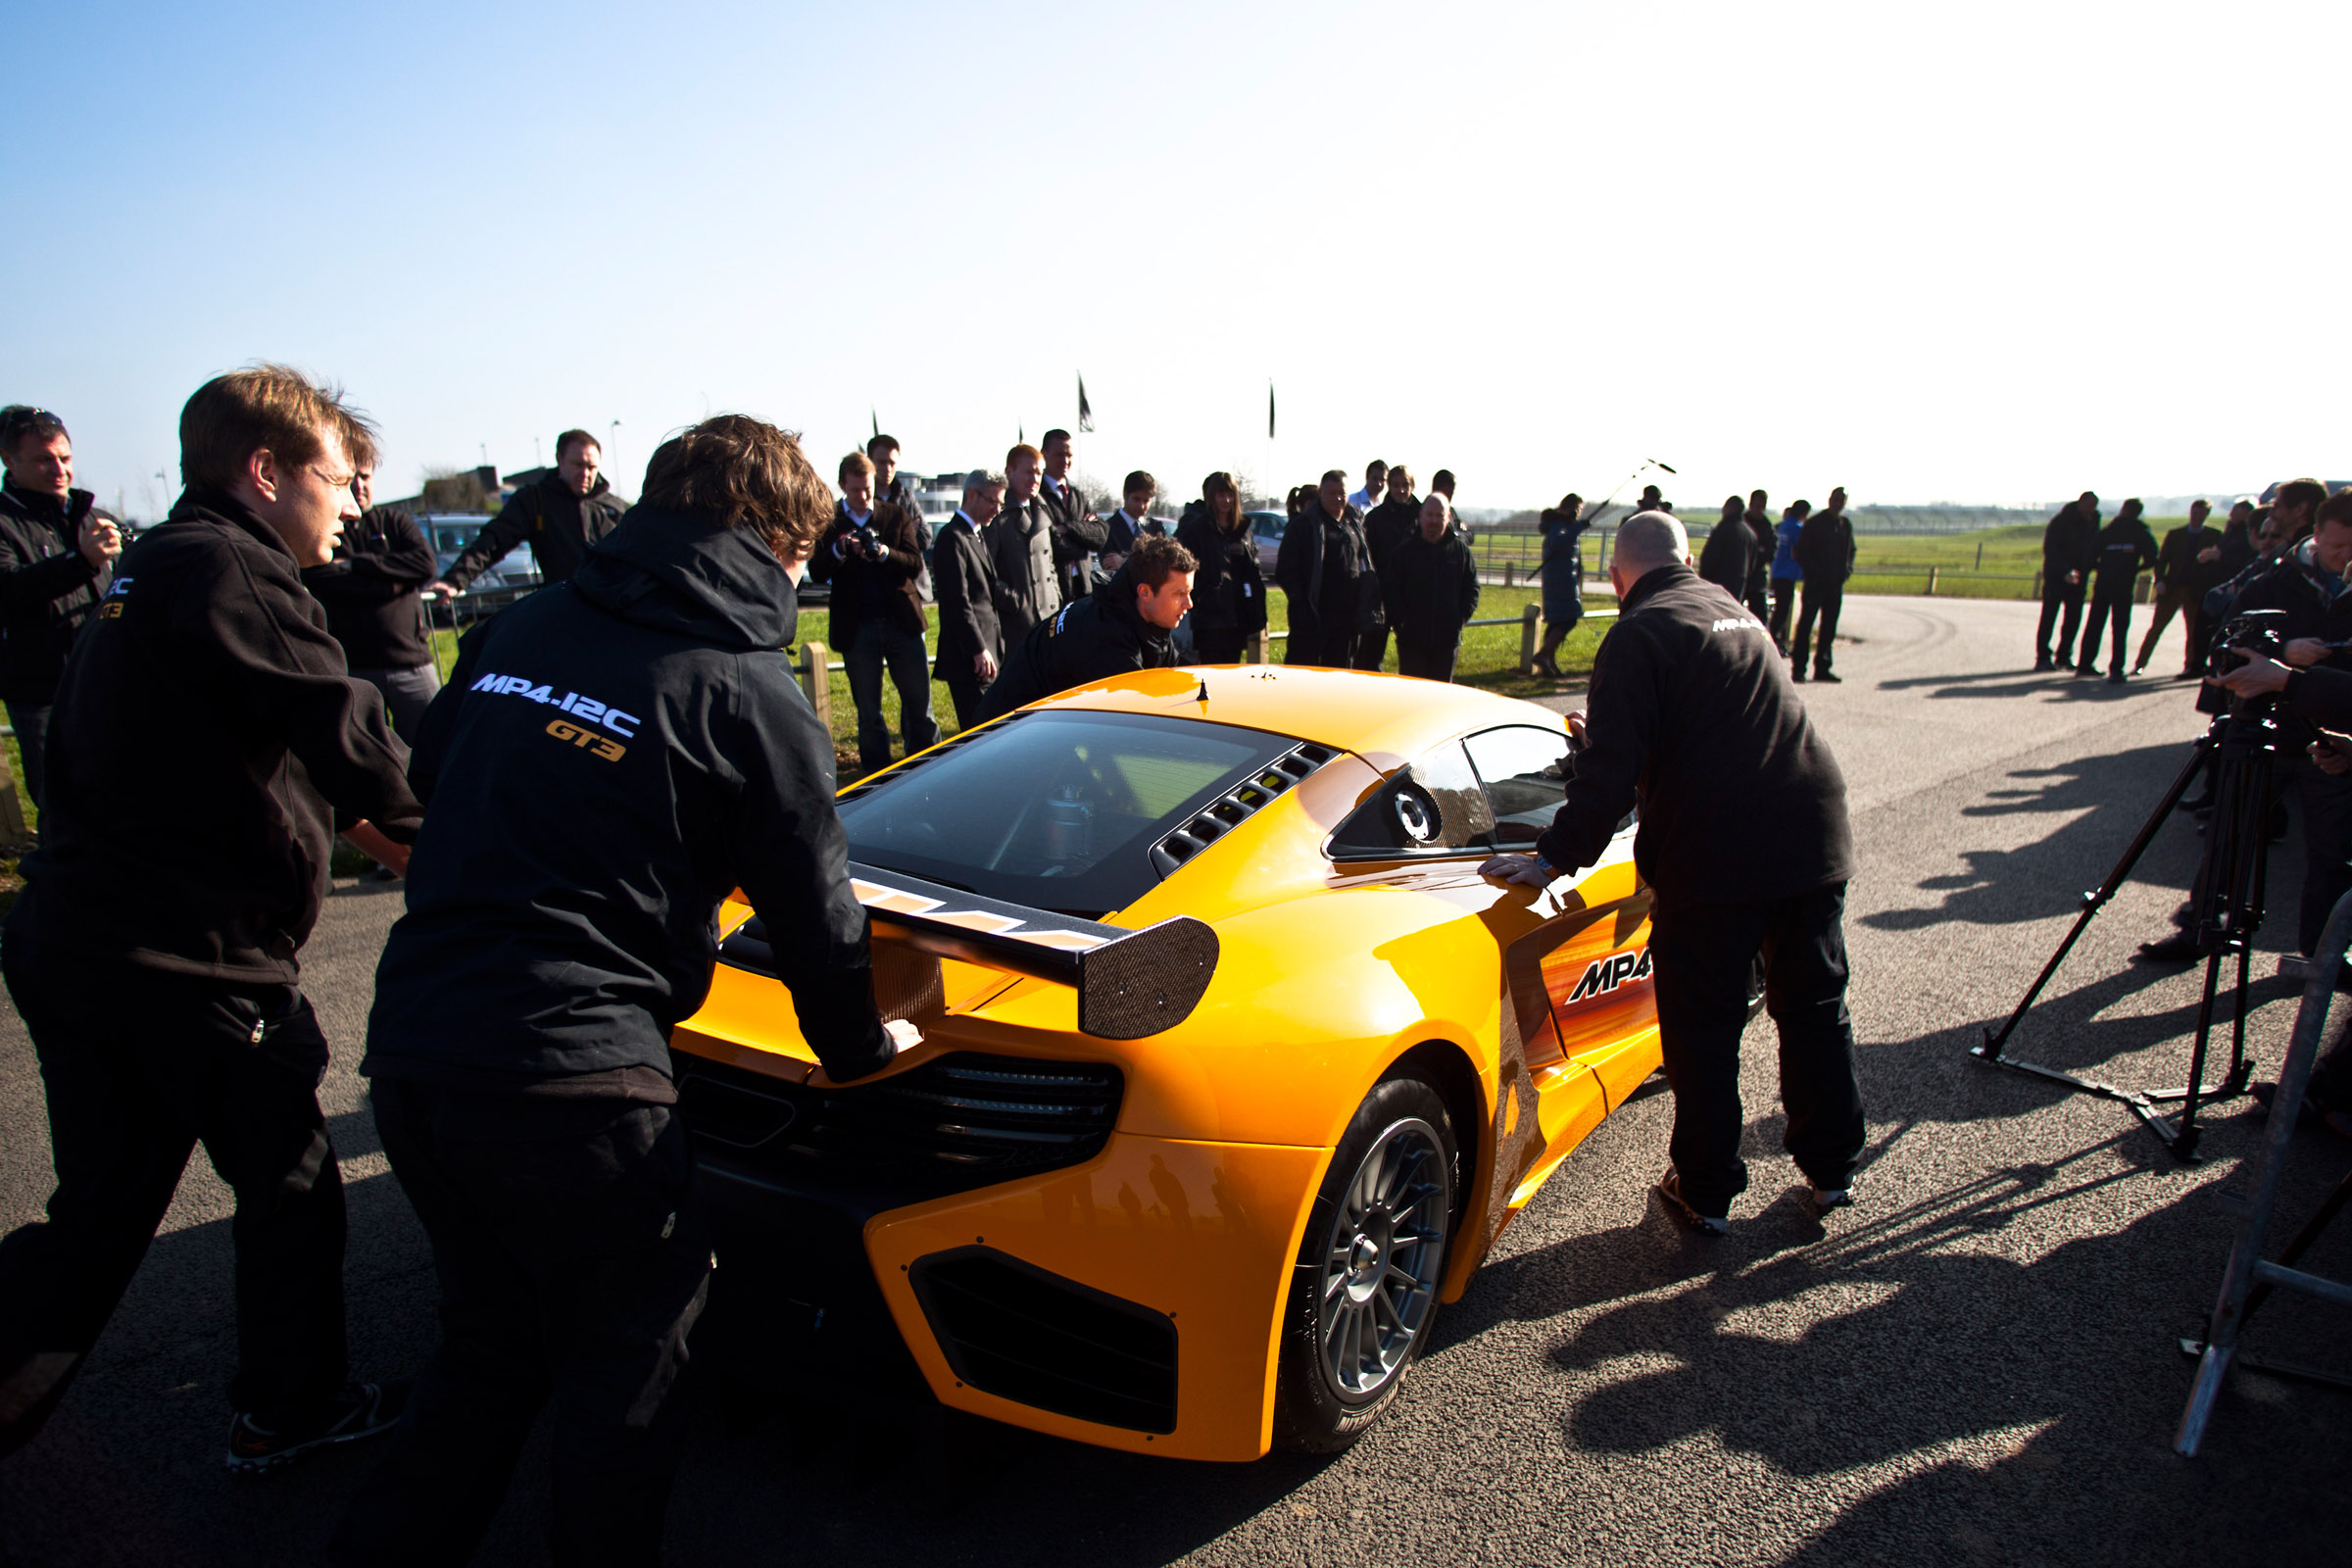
{"x":1987,"y":253}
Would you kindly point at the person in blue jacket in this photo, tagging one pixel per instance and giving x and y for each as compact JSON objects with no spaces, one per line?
{"x":1786,"y":572}
{"x":1563,"y":574}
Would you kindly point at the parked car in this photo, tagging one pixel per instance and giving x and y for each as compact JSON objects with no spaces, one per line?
{"x":509,"y":577}
{"x":1266,"y":528}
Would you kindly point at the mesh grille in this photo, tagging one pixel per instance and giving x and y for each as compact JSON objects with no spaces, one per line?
{"x":1013,"y":1329}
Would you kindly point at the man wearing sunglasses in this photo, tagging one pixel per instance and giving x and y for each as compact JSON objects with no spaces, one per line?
{"x":57,"y":551}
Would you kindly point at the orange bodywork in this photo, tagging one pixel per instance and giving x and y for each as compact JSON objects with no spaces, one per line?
{"x":1328,"y":973}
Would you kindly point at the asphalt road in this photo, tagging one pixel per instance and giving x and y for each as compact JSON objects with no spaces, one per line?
{"x":1978,"y":1363}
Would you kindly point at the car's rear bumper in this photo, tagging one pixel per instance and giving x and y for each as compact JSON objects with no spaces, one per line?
{"x":1131,"y":1302}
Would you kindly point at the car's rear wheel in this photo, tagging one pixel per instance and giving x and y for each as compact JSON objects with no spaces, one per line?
{"x":1364,"y":1288}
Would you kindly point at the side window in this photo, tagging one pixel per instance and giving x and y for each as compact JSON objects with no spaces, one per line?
{"x":1432,"y":806}
{"x":1524,"y":773}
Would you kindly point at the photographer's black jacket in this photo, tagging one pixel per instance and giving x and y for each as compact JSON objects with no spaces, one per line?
{"x":47,"y":588}
{"x":1691,"y":713}
{"x":610,"y":758}
{"x":2126,"y":550}
{"x":1099,"y":636}
{"x":203,"y":727}
{"x":2316,"y":605}
{"x":559,"y":525}
{"x":369,"y":591}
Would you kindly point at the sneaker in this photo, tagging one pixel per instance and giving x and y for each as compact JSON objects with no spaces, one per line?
{"x":1670,"y":1187}
{"x":360,"y":1410}
{"x":1826,"y":1198}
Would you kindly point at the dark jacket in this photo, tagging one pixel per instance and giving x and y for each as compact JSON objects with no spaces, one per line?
{"x":609,"y":759}
{"x":1824,"y":549}
{"x":47,"y":588}
{"x":963,"y":575}
{"x":1229,"y":589}
{"x":2237,"y":554}
{"x":205,"y":745}
{"x":2126,"y":550}
{"x":1691,"y":713}
{"x":559,"y":525}
{"x":1387,"y":527}
{"x":1099,"y":636}
{"x":1020,"y":546}
{"x":1723,"y":559}
{"x":2177,"y":569}
{"x":887,"y":589}
{"x":369,"y":591}
{"x":1764,"y":545}
{"x":1563,"y":566}
{"x":2316,"y":605}
{"x":2069,"y":543}
{"x":1430,"y":590}
{"x":1076,"y":534}
{"x":1301,"y":566}
{"x":2322,"y":695}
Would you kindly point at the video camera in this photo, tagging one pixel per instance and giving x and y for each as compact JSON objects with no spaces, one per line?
{"x":2248,"y":635}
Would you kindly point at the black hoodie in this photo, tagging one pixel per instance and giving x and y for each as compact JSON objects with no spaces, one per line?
{"x":560,"y":526}
{"x":610,"y":758}
{"x":1099,"y":636}
{"x":202,"y":728}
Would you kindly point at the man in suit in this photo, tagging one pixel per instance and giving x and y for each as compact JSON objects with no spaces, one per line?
{"x":1077,"y":532}
{"x":872,"y":555}
{"x":567,"y":511}
{"x":964,"y":574}
{"x":1020,"y":546}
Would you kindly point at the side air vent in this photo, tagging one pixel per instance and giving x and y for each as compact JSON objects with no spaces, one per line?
{"x":1010,"y":1329}
{"x":1238,"y":805}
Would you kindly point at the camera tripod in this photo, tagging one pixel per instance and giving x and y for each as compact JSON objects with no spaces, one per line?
{"x":2225,"y":912}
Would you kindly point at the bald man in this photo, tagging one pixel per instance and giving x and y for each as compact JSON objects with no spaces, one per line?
{"x":1744,"y":844}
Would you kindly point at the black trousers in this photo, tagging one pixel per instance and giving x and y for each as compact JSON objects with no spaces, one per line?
{"x":1372,"y":648}
{"x":1312,"y":642}
{"x":1428,"y":660}
{"x":2057,"y":597}
{"x":1703,"y":955}
{"x":32,"y":725}
{"x":881,"y":647}
{"x":967,"y":691}
{"x":1824,"y":603}
{"x":2104,"y":609}
{"x":573,"y":1256}
{"x":1222,"y":646}
{"x":2326,"y":802}
{"x":1784,"y":603}
{"x":140,"y":1066}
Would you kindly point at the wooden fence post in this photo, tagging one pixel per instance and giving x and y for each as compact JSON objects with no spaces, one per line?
{"x":14,"y":834}
{"x":2037,"y":587}
{"x":1510,"y":569}
{"x":1527,"y":638}
{"x":816,"y":681}
{"x":1260,"y":650}
{"x":1931,"y":582}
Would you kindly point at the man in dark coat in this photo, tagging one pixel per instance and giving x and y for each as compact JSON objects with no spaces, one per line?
{"x":1124,"y":625}
{"x":154,"y":953}
{"x":57,"y":551}
{"x":1396,"y":518}
{"x":2126,"y":548}
{"x":1693,"y":718}
{"x":2070,"y":548}
{"x":1724,"y":558}
{"x":373,"y":605}
{"x":1825,"y":553}
{"x":1020,"y":545}
{"x":562,"y":514}
{"x":2179,"y":587}
{"x":614,"y":755}
{"x":1431,"y":590}
{"x":1229,"y":588}
{"x":877,"y":619}
{"x":1325,"y":570}
{"x":964,"y":574}
{"x":1077,"y":533}
{"x":1766,"y":545}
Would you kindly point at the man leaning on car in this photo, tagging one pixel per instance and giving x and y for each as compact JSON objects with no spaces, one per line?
{"x":566,"y":511}
{"x":611,"y":757}
{"x":1693,"y":716}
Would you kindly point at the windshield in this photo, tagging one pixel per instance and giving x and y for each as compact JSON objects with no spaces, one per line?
{"x":1056,"y":810}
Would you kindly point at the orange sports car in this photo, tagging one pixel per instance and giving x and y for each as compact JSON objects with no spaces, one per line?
{"x":1233,"y":1068}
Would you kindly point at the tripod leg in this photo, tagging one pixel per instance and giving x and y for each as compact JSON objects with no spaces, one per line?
{"x":2243,"y":814}
{"x":2295,"y":1248}
{"x":2206,"y":744}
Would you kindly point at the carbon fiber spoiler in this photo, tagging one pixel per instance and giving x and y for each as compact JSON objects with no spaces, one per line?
{"x":1130,"y":984}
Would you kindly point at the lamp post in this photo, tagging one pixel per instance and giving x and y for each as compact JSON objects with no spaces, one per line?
{"x":612,"y":434}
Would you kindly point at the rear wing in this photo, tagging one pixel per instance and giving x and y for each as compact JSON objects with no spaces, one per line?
{"x":1130,"y":984}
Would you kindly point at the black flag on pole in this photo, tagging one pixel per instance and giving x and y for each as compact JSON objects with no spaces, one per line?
{"x":1086,"y":415}
{"x":876,"y":417}
{"x":1269,"y":409}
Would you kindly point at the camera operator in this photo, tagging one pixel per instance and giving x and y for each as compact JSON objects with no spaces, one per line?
{"x":1126,"y":625}
{"x":611,"y":757}
{"x":57,"y":553}
{"x":872,"y":556}
{"x":1695,"y":717}
{"x":205,"y":743}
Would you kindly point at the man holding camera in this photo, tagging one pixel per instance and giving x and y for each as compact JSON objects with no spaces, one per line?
{"x":1126,"y":625}
{"x":57,"y":552}
{"x":1695,"y":717}
{"x":873,"y":557}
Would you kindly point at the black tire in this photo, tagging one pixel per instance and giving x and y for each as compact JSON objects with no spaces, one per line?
{"x":1363,"y":1291}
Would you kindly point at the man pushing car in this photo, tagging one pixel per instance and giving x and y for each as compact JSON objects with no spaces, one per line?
{"x":1693,"y":716}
